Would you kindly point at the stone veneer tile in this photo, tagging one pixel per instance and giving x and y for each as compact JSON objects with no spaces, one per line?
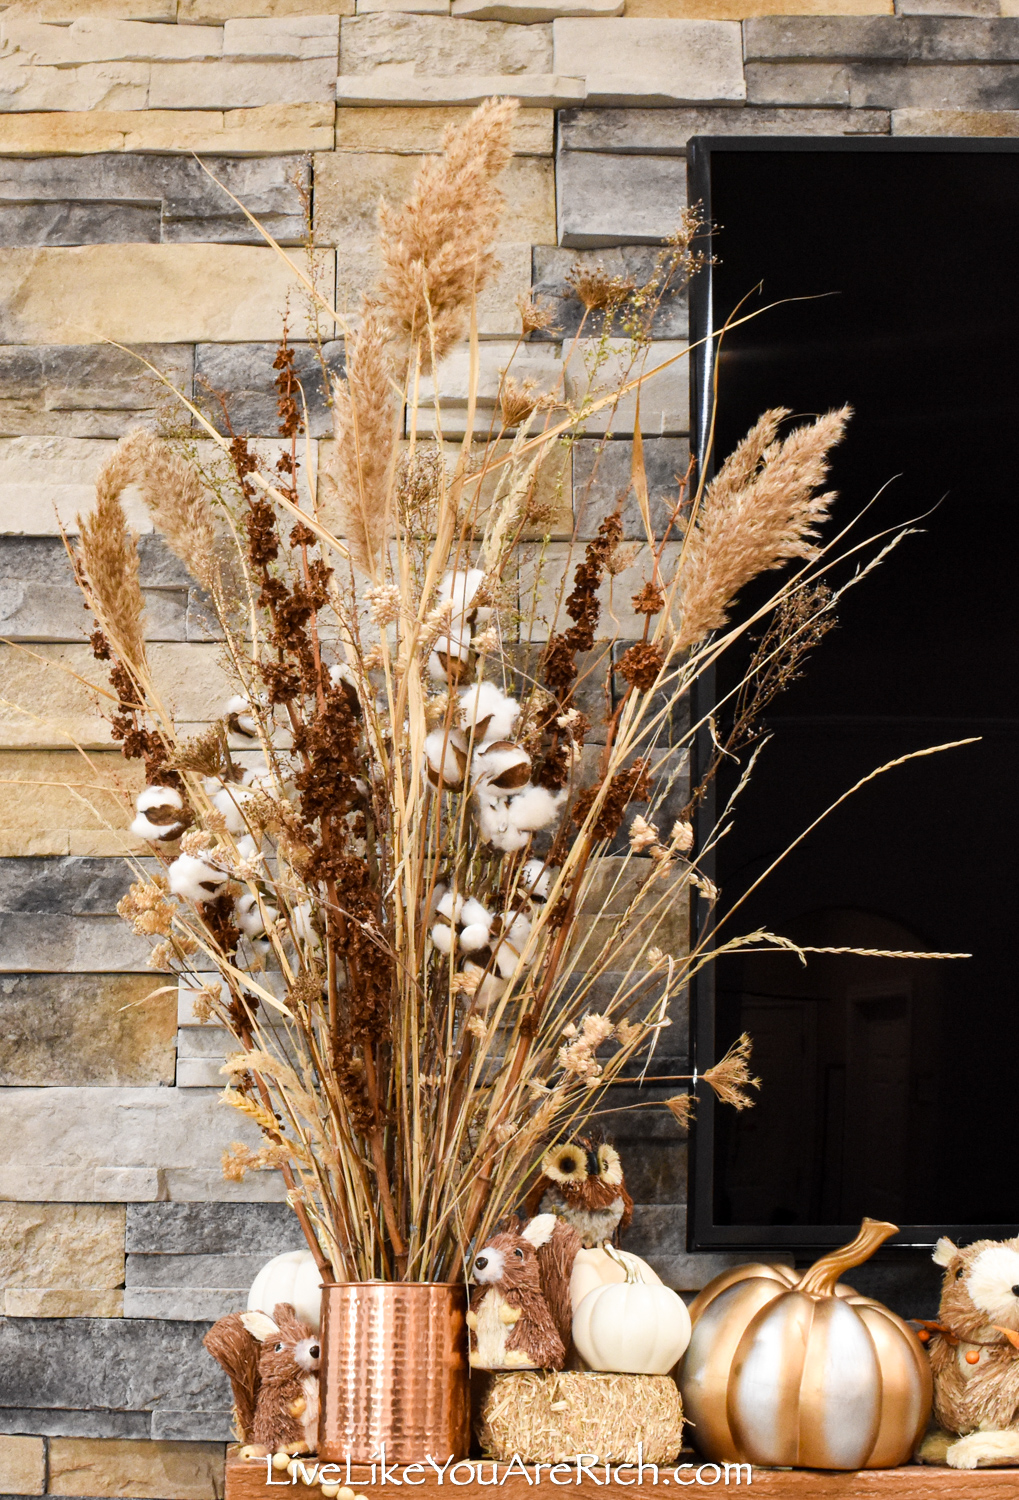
{"x":666,"y":132}
{"x":93,"y":1422}
{"x":927,"y":39}
{"x":40,"y":813}
{"x":190,"y":676}
{"x":1001,"y":122}
{"x":442,"y":47}
{"x":198,"y":1272}
{"x":530,"y":11}
{"x":85,"y":390}
{"x":184,"y":1303}
{"x":531,"y":90}
{"x":143,"y":293}
{"x":348,"y":186}
{"x":59,"y":1302}
{"x":146,"y":1471}
{"x":605,"y":200}
{"x":738,"y":10}
{"x":891,"y":85}
{"x":60,"y":944}
{"x":244,"y":374}
{"x":96,"y":39}
{"x":81,"y":1145}
{"x":175,"y":1229}
{"x":664,"y":394}
{"x":416,"y":130}
{"x":99,"y":86}
{"x":236,"y":83}
{"x":80,"y":887}
{"x":652,"y":62}
{"x":104,"y":1030}
{"x":23,"y":1465}
{"x":72,"y":1246}
{"x":235,"y":132}
{"x":226,"y":10}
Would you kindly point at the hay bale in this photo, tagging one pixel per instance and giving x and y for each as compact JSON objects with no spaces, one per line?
{"x":551,"y":1416}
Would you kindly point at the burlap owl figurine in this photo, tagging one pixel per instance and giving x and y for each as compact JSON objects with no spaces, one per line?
{"x":974,"y":1350}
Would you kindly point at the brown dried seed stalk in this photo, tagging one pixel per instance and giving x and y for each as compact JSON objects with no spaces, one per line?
{"x":731,"y":1077}
{"x":437,"y":247}
{"x":108,"y":554}
{"x":759,"y":511}
{"x":682,"y":1107}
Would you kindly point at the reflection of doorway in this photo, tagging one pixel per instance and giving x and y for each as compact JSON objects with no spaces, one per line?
{"x":846,"y":1047}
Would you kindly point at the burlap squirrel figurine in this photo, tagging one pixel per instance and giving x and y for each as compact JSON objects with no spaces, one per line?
{"x":974,"y":1350}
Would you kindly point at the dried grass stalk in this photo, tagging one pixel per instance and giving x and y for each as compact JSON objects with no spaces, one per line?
{"x":550,"y":1417}
{"x":759,"y":511}
{"x":364,"y":424}
{"x":108,"y":555}
{"x":731,"y":1077}
{"x":437,"y":247}
{"x":179,"y":506}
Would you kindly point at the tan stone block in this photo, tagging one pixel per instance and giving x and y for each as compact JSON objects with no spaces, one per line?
{"x":532,"y":90}
{"x":150,"y":1471}
{"x":349,"y":185}
{"x":406,"y":129}
{"x":46,"y":481}
{"x":207,"y":11}
{"x":97,"y":39}
{"x":70,"y":10}
{"x":103,"y":1030}
{"x":236,"y":83}
{"x":147,"y":293}
{"x":23,"y":1465}
{"x":73,"y":1246}
{"x":234,"y":132}
{"x":441,"y":46}
{"x":58,"y":1302}
{"x":53,"y":802}
{"x":91,"y":86}
{"x":739,"y":10}
{"x":406,"y":7}
{"x":54,"y":689}
{"x":992,"y":122}
{"x":283,"y":36}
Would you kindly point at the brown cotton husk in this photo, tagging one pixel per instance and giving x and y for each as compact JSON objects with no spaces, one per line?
{"x":108,"y":556}
{"x":759,"y":511}
{"x":364,"y":425}
{"x":437,"y":246}
{"x":549,"y":1416}
{"x":731,"y":1077}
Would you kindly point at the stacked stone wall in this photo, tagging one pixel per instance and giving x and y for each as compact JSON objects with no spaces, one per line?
{"x":119,"y":1239}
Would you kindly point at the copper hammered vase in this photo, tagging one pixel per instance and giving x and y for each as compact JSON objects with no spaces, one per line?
{"x":394,"y":1371}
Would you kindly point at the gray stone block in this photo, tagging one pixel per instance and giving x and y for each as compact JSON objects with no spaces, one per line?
{"x":947,"y":8}
{"x":192,"y":1427}
{"x":657,"y":1228}
{"x":928,"y":39}
{"x":38,"y":1422}
{"x":601,"y":477}
{"x":58,"y":944}
{"x":244,"y":375}
{"x":906,"y":86}
{"x":85,"y":390}
{"x":184,"y":1304}
{"x":603,"y":199}
{"x":158,"y":1271}
{"x":826,"y":83}
{"x":212,"y":1229}
{"x":159,"y":567}
{"x":639,"y":263}
{"x":150,"y":197}
{"x":78,"y":224}
{"x":667,"y":132}
{"x":655,"y":1171}
{"x":53,"y":612}
{"x":691,"y":1272}
{"x":74,"y":886}
{"x":117,"y":1364}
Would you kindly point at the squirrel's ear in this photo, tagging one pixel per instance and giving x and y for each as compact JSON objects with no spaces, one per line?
{"x":259,"y":1325}
{"x":540,"y":1230}
{"x":944,"y":1252}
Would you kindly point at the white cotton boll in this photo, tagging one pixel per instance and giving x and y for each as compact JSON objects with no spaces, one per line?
{"x":195,"y":879}
{"x":230,"y":802}
{"x":159,"y":796}
{"x":516,"y":929}
{"x":537,"y":878}
{"x":165,"y":799}
{"x":445,"y":759}
{"x":304,"y":930}
{"x":504,"y":766}
{"x":532,"y":808}
{"x":247,"y":847}
{"x":249,"y":917}
{"x":487,"y":709}
{"x":492,"y":815}
{"x":450,"y":655}
{"x":459,"y":589}
{"x":442,"y":937}
{"x":511,"y":840}
{"x":450,"y":907}
{"x":474,"y":936}
{"x":472,"y":912}
{"x":239,"y":718}
{"x":490,"y":988}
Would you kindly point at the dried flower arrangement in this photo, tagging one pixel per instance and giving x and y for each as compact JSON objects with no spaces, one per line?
{"x":399,"y":846}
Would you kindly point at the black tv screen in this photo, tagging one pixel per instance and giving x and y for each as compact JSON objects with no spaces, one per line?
{"x":887,"y":1084}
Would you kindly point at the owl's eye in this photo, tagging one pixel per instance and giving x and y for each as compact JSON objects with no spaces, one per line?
{"x":609,"y":1166}
{"x":565,"y":1165}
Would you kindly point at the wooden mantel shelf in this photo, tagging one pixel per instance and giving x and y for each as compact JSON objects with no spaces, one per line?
{"x":247,"y":1481}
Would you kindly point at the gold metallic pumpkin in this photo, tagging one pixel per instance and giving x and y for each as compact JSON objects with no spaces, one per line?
{"x":792,"y":1370}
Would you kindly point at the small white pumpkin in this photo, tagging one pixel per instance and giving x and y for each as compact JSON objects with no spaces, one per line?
{"x":633,"y":1327}
{"x":293,"y":1277}
{"x":600,"y":1267}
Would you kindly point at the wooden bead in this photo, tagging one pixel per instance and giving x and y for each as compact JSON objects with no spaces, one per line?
{"x":972,"y":1356}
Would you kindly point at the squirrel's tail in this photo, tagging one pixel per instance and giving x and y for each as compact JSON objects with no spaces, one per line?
{"x":233,"y":1347}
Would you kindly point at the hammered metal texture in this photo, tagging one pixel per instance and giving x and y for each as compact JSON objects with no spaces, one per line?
{"x":394,"y":1372}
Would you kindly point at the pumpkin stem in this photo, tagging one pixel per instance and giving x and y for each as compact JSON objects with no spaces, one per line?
{"x":632,"y":1279}
{"x":820,"y":1279}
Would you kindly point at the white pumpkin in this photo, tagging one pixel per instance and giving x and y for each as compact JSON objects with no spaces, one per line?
{"x":632,"y":1326}
{"x":294,"y":1278}
{"x":600,"y":1267}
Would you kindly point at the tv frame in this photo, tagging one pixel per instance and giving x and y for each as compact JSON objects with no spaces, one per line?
{"x":702,"y":1232}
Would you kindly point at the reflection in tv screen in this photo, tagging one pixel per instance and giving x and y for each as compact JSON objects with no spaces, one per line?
{"x":887,"y":1086}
